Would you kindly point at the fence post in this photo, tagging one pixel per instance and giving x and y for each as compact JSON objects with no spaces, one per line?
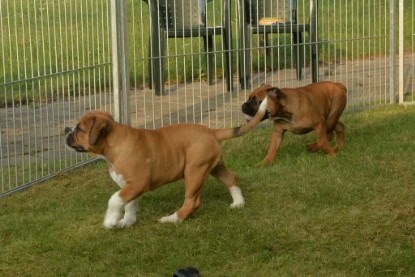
{"x":392,"y":63}
{"x":401,"y":46}
{"x":314,"y":38}
{"x":120,"y":66}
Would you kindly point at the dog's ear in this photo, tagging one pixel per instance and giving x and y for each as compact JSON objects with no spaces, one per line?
{"x":275,"y":93}
{"x":98,"y":128}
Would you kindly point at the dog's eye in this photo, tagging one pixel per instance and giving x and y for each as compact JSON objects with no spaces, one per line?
{"x":78,"y":129}
{"x":256,"y":101}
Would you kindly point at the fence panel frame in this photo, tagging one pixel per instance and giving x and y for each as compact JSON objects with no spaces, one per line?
{"x":103,"y":44}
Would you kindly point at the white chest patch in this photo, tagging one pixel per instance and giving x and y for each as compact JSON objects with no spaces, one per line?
{"x":118,"y":178}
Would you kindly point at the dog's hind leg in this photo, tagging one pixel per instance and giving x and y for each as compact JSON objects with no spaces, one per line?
{"x":195,"y":178}
{"x":229,"y":179}
{"x":322,"y":142}
{"x":339,"y":129}
{"x":313,"y":147}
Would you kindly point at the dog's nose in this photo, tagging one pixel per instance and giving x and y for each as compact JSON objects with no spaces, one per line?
{"x":68,"y":130}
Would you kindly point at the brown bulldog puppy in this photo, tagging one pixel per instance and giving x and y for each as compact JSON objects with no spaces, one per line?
{"x":141,"y":160}
{"x":317,"y":107}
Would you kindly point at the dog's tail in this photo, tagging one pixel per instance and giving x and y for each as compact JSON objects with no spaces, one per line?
{"x":228,"y":133}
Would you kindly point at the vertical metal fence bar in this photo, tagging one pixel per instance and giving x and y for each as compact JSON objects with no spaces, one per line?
{"x":385,"y":52}
{"x":32,"y":133}
{"x":199,"y":65}
{"x":115,"y":59}
{"x":134,"y":53}
{"x":55,"y":98}
{"x":392,"y":51}
{"x":23,"y":35}
{"x":76,"y":82}
{"x":101,"y":59}
{"x":351,"y":93}
{"x":412,"y":32}
{"x":368,"y":44}
{"x":42,"y":72}
{"x":347,"y":38}
{"x":87,"y":37}
{"x":13,"y":72}
{"x":19,"y":88}
{"x":125,"y":77}
{"x":401,"y":51}
{"x":120,"y":62}
{"x":314,"y":10}
{"x":108,"y":53}
{"x":60,"y":66}
{"x":4,"y":167}
{"x":2,"y":62}
{"x":99,"y":87}
{"x":91,"y":55}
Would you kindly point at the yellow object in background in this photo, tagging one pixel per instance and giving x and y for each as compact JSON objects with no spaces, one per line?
{"x":271,"y":21}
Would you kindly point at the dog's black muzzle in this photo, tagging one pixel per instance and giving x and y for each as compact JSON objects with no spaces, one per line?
{"x":69,"y":141}
{"x":251,"y":111}
{"x":247,"y":109}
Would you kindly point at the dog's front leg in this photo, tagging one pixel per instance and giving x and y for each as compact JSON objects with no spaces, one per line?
{"x":130,"y":208}
{"x":276,"y":140}
{"x":130,"y":214}
{"x":113,"y":214}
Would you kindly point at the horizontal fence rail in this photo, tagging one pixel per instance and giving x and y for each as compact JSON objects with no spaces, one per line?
{"x":57,"y":62}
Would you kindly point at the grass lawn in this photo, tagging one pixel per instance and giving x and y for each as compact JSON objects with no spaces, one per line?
{"x":307,"y":215}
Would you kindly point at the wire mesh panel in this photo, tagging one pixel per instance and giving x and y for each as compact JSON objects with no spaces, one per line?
{"x":54,"y":66}
{"x":355,"y":49}
{"x":352,"y":46}
{"x":190,"y":91}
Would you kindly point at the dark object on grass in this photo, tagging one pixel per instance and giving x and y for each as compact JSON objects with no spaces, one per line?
{"x":186,"y":272}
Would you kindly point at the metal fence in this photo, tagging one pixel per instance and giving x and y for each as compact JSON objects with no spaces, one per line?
{"x":60,"y":59}
{"x":55,"y":64}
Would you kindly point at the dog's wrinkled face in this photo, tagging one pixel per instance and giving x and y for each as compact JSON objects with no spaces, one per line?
{"x":251,"y":106}
{"x":87,"y":133}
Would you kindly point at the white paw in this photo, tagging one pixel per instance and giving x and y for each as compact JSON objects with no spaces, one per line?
{"x":110,"y":223}
{"x":170,"y":219}
{"x":113,"y":214}
{"x":236,"y":205}
{"x":126,"y":222}
{"x":238,"y":199}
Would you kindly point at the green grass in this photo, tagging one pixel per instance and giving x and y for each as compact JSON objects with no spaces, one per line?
{"x":306,"y":215}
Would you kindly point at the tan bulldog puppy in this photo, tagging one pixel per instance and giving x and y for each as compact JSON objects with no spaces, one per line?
{"x":317,"y":107}
{"x":141,"y":160}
